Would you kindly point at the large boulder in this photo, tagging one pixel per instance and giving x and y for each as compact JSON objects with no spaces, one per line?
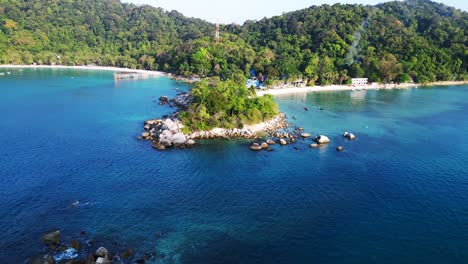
{"x":322,"y":139}
{"x":127,"y":253}
{"x":179,"y":139}
{"x":101,"y":252}
{"x":283,"y":142}
{"x":51,"y":239}
{"x":170,"y":125}
{"x":102,"y":261}
{"x":264,"y":145}
{"x":270,"y":142}
{"x":256,"y":147}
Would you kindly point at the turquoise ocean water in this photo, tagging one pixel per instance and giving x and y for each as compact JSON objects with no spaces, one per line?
{"x":397,"y":194}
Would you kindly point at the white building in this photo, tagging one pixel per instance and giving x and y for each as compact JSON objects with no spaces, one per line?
{"x":359,"y":81}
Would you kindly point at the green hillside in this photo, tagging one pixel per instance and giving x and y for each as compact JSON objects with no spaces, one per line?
{"x":326,"y":44}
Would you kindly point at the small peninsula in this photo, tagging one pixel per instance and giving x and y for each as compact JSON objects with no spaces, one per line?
{"x":214,"y":109}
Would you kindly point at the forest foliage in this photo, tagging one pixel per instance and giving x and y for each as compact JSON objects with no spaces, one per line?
{"x":393,"y":41}
{"x":227,"y":104}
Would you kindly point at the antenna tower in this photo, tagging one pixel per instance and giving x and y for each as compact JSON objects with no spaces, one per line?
{"x":217,"y":34}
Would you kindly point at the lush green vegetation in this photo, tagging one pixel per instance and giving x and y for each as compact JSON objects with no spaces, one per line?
{"x":419,"y":39}
{"x":227,"y":104}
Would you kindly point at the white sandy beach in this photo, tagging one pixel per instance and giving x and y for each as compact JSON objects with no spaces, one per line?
{"x":292,"y":90}
{"x":94,"y":68}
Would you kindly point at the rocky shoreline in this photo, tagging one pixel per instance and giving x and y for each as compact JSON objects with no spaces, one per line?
{"x":83,"y":250}
{"x":167,"y":132}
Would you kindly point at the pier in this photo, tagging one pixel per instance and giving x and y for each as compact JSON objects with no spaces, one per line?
{"x":130,"y":75}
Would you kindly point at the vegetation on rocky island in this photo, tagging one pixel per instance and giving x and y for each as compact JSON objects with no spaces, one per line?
{"x":226,"y":104}
{"x":419,"y":39}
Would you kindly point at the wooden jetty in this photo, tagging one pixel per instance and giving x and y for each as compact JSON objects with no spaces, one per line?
{"x":130,"y":75}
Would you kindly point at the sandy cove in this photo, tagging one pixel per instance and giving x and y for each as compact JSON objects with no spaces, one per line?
{"x":93,"y":68}
{"x":292,"y":90}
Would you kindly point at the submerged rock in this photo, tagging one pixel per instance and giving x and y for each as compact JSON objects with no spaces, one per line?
{"x":314,"y":145}
{"x":190,"y":142}
{"x":128,"y":252}
{"x":42,"y":259}
{"x":339,"y":148}
{"x":305,"y":135}
{"x":51,"y":239}
{"x":75,"y":244}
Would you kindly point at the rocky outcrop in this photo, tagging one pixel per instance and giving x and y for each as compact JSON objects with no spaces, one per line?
{"x":166,"y":133}
{"x":321,"y":139}
{"x":80,"y":250}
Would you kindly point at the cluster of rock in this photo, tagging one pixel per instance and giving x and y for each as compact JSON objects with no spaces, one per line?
{"x":282,"y":138}
{"x":80,"y":251}
{"x":165,"y":133}
{"x":349,"y":136}
{"x":285,"y":138}
{"x":223,"y":133}
{"x":163,"y":100}
{"x":182,"y":100}
{"x":248,"y":132}
{"x":264,"y":145}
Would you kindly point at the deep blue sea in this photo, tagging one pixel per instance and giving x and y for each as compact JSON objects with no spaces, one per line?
{"x":397,"y":194}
